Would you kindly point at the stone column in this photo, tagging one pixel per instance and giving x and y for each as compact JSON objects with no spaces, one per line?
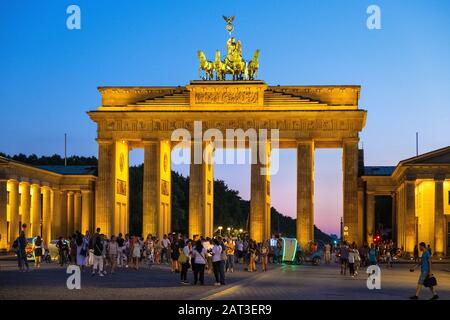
{"x":14,"y":228}
{"x":410,"y":216}
{"x":46,"y":215}
{"x":394,"y":215}
{"x":77,"y":211}
{"x":104,"y":216}
{"x":305,"y":192}
{"x":36,"y":210}
{"x":370,"y":217}
{"x":439,"y":219}
{"x":25,"y":206}
{"x":63,"y":196}
{"x":201,"y":191}
{"x":156,"y":189}
{"x":56,"y":213}
{"x":350,"y":189}
{"x":3,"y":215}
{"x":86,"y":200}
{"x":70,"y":213}
{"x":260,"y":194}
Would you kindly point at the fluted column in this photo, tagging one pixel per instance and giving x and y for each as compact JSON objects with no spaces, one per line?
{"x":305,"y":192}
{"x":410,"y":216}
{"x":156,"y":188}
{"x":63,"y":213}
{"x":260,"y":194}
{"x":36,"y":210}
{"x":201,"y":192}
{"x":77,"y":211}
{"x":3,"y":215}
{"x":439,"y":219}
{"x":86,"y":200}
{"x":56,"y":213}
{"x":14,"y":227}
{"x":25,"y":206}
{"x":104,"y":216}
{"x":350,"y":189}
{"x":46,"y":215}
{"x":370,"y":217}
{"x":70,"y":213}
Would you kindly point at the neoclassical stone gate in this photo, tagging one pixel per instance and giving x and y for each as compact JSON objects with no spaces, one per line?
{"x":307,"y":117}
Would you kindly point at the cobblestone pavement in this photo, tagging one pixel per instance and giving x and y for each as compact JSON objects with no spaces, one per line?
{"x":281,"y":282}
{"x":325,"y":282}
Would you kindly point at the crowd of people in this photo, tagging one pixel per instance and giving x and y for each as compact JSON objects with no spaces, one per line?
{"x":215,"y":256}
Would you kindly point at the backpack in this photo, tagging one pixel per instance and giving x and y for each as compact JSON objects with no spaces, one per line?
{"x":182,"y":257}
{"x":15,"y":245}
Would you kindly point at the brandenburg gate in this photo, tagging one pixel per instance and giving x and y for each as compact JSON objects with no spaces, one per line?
{"x":307,"y":117}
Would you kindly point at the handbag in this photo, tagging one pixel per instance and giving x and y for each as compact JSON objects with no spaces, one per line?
{"x":430,"y":281}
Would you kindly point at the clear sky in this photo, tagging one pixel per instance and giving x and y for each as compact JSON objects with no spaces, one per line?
{"x":49,"y":74}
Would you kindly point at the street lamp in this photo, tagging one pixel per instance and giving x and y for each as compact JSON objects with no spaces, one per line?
{"x":229,"y":230}
{"x":220,"y":230}
{"x":240,"y":230}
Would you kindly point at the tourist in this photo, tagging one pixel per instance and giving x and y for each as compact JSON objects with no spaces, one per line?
{"x":120,"y":250}
{"x":425,"y":272}
{"x":351,"y":260}
{"x":416,"y":254}
{"x":61,"y":251}
{"x":98,"y":256}
{"x":37,"y":248}
{"x":148,"y":249}
{"x":372,"y":255}
{"x":216,"y":260}
{"x":82,"y":247}
{"x":208,"y":245}
{"x":158,"y":251}
{"x":240,"y":250}
{"x":199,"y":262}
{"x":113,"y":251}
{"x":165,"y":242}
{"x":223,"y":260}
{"x":73,"y":250}
{"x":136,"y":252}
{"x":230,"y":255}
{"x":344,"y":257}
{"x":264,"y":251}
{"x":175,"y":253}
{"x":89,"y":255}
{"x":21,"y":253}
{"x":252,"y":256}
{"x":184,"y":260}
{"x":327,"y":253}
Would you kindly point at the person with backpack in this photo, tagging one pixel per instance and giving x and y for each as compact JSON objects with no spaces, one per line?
{"x":98,"y":257}
{"x":426,"y":275}
{"x":21,"y":253}
{"x":37,"y":248}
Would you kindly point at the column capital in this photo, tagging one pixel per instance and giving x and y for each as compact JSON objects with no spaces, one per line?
{"x":304,"y":141}
{"x":104,"y":141}
{"x":13,"y":181}
{"x":85,"y":191}
{"x":439,"y":177}
{"x":350,"y":140}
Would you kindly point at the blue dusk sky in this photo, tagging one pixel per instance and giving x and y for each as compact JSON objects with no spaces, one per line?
{"x":49,"y":75}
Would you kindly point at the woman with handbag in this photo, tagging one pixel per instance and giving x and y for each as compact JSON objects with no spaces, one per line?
{"x":82,"y":247}
{"x":426,"y":277}
{"x":199,"y":262}
{"x":184,"y":260}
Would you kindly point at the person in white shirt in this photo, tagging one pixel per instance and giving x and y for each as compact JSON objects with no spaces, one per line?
{"x":165,"y":248}
{"x":351,"y":261}
{"x":217,"y":260}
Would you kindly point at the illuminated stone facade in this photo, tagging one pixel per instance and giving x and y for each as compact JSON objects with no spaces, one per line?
{"x":52,"y":201}
{"x":307,"y":117}
{"x":420,"y":191}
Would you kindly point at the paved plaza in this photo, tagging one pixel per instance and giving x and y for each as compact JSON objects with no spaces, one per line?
{"x":284,"y":282}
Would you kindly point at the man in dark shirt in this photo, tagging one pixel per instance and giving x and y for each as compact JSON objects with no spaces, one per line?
{"x":21,"y":252}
